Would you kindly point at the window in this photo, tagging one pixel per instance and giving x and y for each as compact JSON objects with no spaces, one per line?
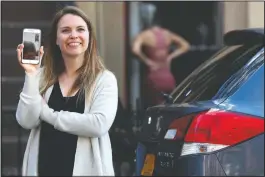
{"x":207,"y":80}
{"x":242,"y":75}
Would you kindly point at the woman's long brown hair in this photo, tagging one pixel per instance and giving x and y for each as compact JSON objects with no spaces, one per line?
{"x":53,"y":64}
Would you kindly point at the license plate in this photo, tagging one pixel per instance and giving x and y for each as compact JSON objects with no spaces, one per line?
{"x":149,"y":165}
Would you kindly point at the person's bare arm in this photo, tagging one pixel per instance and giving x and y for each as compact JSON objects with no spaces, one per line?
{"x":183,"y":45}
{"x":137,"y":48}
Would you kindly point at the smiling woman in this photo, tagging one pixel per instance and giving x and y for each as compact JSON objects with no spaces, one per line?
{"x":72,"y":36}
{"x":69,"y":104}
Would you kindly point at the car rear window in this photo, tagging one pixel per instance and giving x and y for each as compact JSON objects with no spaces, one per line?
{"x":214,"y":74}
{"x":242,"y":75}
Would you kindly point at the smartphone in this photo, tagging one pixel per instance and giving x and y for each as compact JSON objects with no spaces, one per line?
{"x":32,"y":44}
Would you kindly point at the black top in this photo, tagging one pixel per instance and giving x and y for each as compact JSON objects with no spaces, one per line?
{"x":57,"y":149}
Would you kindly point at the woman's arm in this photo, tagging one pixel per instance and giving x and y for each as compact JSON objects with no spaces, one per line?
{"x":137,"y":49}
{"x":29,"y":105}
{"x":95,"y":123}
{"x":183,"y":45}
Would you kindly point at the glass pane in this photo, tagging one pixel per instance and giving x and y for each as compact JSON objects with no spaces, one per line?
{"x":207,"y":79}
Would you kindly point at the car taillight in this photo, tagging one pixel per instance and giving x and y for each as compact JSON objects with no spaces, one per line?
{"x":213,"y":130}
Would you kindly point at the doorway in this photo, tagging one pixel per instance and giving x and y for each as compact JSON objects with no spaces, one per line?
{"x":200,"y":23}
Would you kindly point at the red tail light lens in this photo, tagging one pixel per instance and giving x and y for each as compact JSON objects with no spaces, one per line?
{"x":179,"y":127}
{"x":226,"y":128}
{"x":213,"y":130}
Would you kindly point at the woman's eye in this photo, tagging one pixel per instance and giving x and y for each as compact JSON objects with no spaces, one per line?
{"x":65,"y":30}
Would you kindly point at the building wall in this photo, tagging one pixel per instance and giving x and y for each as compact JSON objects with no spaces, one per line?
{"x":235,"y":15}
{"x":240,"y":14}
{"x":113,"y":42}
{"x":256,"y":14}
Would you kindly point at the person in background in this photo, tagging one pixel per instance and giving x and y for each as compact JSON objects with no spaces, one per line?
{"x":152,"y":47}
{"x":69,"y":103}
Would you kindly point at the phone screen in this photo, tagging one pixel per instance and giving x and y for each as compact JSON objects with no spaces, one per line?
{"x":31,"y":43}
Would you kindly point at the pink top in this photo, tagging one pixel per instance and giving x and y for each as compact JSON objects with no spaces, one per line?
{"x":159,"y":52}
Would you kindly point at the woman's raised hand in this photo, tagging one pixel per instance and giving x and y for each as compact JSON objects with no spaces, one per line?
{"x":29,"y":68}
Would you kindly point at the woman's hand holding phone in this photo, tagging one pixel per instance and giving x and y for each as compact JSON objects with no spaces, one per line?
{"x":29,"y":68}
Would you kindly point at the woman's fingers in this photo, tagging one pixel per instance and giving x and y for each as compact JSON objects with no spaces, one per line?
{"x":41,"y":54}
{"x":41,"y":51}
{"x":19,"y":52}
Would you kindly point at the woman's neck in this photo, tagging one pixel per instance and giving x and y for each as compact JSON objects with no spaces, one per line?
{"x":72,"y":64}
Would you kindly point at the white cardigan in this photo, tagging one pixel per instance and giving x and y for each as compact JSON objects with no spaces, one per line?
{"x":93,"y":152}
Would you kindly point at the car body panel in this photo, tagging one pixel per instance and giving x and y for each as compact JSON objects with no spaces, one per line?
{"x":244,"y":159}
{"x":199,"y":165}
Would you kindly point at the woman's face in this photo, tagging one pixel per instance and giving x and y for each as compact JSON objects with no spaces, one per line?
{"x":72,"y":35}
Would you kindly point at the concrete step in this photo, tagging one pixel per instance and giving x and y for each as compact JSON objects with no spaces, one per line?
{"x":10,"y":171}
{"x":28,"y":10}
{"x":10,"y":126}
{"x":8,"y":61}
{"x":13,"y":151}
{"x":10,"y":93}
{"x":11,"y":155}
{"x":16,"y":139}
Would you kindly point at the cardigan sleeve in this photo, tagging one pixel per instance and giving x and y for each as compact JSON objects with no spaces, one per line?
{"x":29,"y":105}
{"x":98,"y":120}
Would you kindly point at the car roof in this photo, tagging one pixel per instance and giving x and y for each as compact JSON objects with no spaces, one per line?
{"x":244,"y":36}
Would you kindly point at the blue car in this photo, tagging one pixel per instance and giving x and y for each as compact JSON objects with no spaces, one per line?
{"x":212,"y":124}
